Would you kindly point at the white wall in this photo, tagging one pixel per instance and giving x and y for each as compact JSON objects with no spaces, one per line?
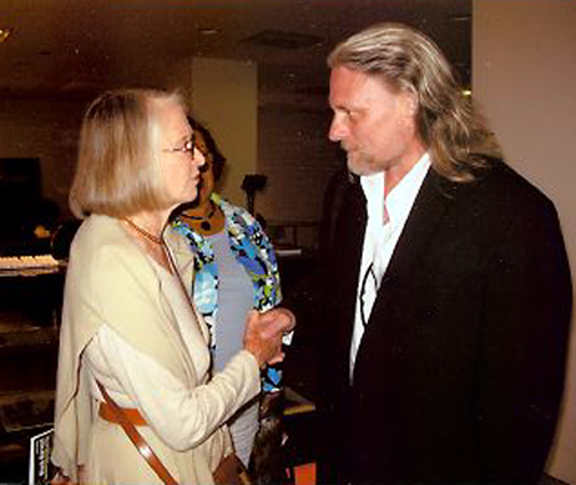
{"x":285,"y":141}
{"x":524,"y":76}
{"x":224,"y":97}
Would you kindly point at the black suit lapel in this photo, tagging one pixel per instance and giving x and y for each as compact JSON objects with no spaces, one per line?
{"x":434,"y":198}
{"x":346,"y":257}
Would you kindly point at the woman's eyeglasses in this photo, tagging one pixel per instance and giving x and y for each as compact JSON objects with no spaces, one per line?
{"x":188,"y":147}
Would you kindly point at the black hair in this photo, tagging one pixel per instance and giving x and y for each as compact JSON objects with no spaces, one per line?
{"x":218,"y":159}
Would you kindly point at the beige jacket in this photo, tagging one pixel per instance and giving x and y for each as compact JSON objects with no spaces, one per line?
{"x":110,"y":280}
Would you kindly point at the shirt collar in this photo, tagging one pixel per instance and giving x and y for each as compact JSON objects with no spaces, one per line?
{"x":400,"y":200}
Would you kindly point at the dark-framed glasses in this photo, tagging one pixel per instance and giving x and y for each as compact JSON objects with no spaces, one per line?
{"x":188,"y":147}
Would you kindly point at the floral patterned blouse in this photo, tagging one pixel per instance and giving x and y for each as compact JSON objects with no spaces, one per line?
{"x":253,"y":250}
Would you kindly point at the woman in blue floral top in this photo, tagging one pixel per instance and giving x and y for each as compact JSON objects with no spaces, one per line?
{"x":235,"y":272}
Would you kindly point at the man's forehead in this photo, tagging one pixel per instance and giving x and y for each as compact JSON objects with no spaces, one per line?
{"x":349,"y":85}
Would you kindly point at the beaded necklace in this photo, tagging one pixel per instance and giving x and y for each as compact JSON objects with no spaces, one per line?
{"x":205,"y":225}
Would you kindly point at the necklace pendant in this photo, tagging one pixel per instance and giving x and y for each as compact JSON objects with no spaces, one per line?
{"x":205,"y":225}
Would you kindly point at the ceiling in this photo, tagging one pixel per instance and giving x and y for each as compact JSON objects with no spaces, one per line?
{"x":59,"y":47}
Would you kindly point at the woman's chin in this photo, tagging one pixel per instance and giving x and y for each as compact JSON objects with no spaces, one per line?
{"x":187,"y":197}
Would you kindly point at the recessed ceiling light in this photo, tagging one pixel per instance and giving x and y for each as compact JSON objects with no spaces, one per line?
{"x":4,"y":34}
{"x":460,"y":18}
{"x":208,"y":31}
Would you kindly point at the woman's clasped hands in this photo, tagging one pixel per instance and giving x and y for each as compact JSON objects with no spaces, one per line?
{"x":263,"y":334}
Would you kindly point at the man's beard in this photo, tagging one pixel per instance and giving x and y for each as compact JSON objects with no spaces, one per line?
{"x":358,"y":162}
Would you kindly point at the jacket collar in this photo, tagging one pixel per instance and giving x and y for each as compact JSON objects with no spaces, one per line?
{"x":435,"y":197}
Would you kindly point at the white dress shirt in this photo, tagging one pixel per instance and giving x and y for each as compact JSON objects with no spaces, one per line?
{"x":386,"y":219}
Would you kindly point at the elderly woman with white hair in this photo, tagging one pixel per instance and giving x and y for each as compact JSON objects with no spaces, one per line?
{"x":132,"y":346}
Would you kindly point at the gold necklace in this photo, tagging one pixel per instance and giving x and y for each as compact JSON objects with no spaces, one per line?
{"x":144,"y":233}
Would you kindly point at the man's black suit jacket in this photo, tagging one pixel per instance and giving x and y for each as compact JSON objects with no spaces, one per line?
{"x":459,"y":374}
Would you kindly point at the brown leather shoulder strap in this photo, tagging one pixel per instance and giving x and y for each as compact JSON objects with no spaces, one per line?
{"x":138,"y":440}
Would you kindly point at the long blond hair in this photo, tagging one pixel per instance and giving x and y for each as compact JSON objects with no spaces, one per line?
{"x":448,"y":123}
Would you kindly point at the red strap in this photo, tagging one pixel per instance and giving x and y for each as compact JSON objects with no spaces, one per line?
{"x":107,"y":413}
{"x":138,"y":440}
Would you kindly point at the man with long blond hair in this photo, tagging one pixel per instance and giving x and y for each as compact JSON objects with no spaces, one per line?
{"x":448,"y":287}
